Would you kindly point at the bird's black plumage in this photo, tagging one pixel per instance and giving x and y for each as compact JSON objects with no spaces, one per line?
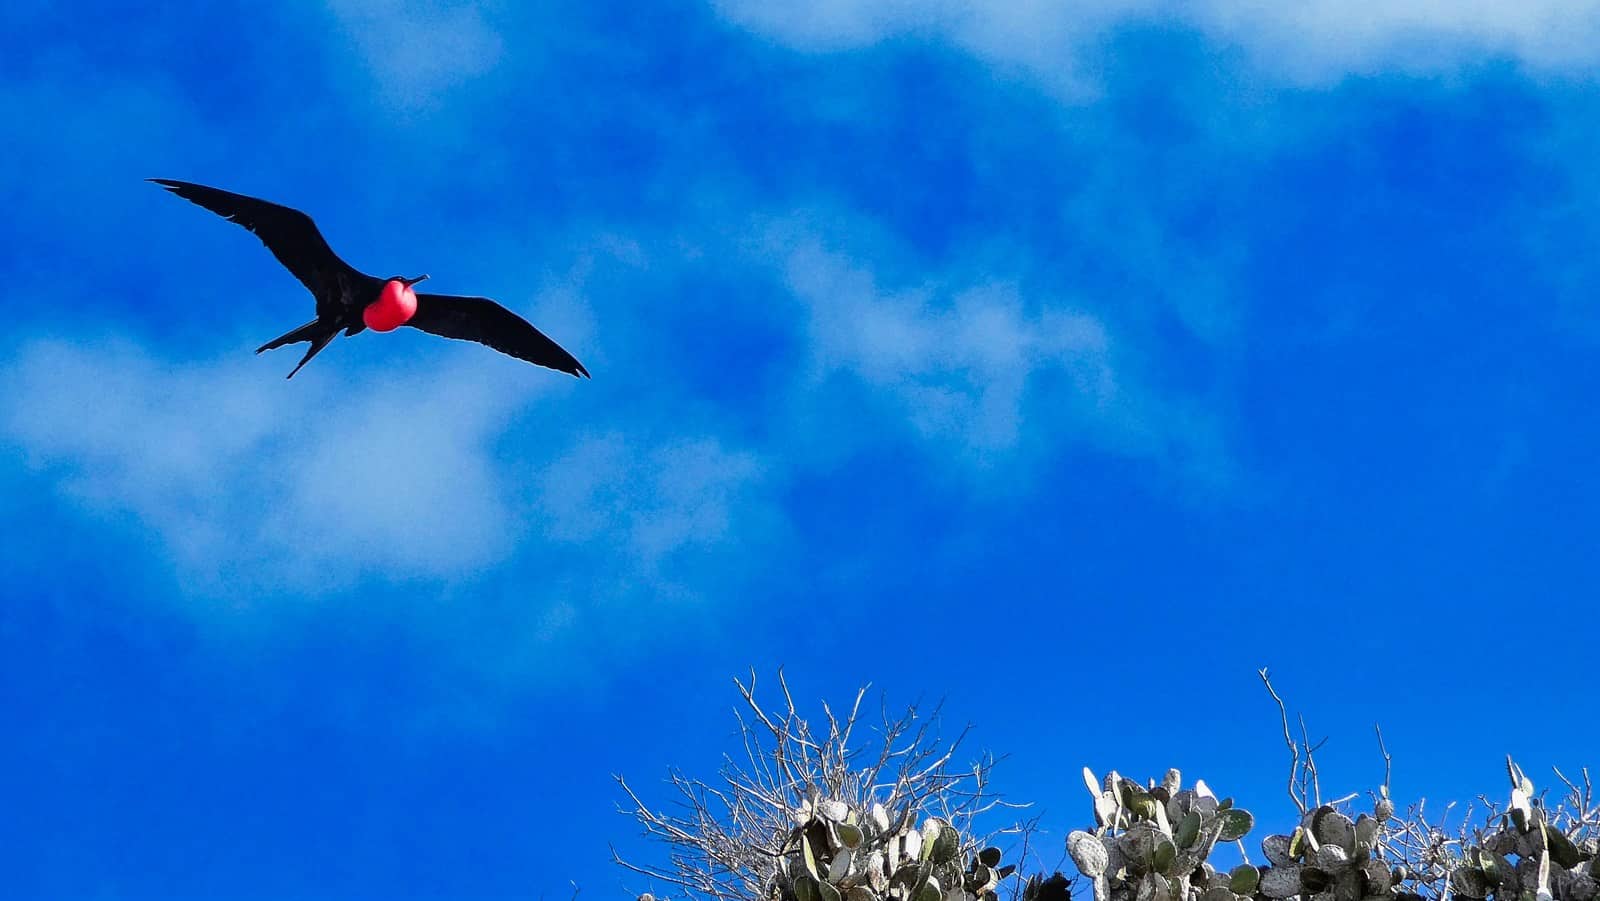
{"x":481,"y":319}
{"x":342,"y":292}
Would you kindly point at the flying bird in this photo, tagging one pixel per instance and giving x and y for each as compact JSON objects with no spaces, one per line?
{"x":351,"y":301}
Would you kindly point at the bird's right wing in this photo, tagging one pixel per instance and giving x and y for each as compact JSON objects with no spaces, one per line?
{"x":290,"y":234}
{"x":486,"y":322}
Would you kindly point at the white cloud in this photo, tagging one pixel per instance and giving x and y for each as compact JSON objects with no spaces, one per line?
{"x":313,"y":482}
{"x":256,"y":483}
{"x":682,"y":495}
{"x":1309,"y":40}
{"x":984,"y":374}
{"x":420,"y":50}
{"x":633,"y":537}
{"x":956,"y":363}
{"x":1315,"y":39}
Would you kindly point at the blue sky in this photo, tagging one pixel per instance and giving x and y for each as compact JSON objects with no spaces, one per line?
{"x":1069,"y":368}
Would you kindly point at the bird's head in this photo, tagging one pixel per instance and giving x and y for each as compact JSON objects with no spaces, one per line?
{"x":395,"y":306}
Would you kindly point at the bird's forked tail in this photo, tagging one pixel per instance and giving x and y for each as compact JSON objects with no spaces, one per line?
{"x":318,"y":332}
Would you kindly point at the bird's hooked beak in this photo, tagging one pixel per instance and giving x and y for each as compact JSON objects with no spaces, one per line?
{"x":408,"y":282}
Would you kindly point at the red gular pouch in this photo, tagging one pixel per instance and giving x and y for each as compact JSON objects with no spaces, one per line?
{"x":395,"y":306}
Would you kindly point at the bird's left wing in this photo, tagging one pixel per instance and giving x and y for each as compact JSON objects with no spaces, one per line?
{"x":290,"y":234}
{"x":486,"y":322}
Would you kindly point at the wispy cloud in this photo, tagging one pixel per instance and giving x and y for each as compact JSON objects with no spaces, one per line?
{"x":399,"y":473}
{"x":1323,"y":39}
{"x":305,"y":485}
{"x":979,"y":368}
{"x":419,"y":51}
{"x":310,"y":486}
{"x":679,"y":496}
{"x":354,"y":474}
{"x":1313,"y":41}
{"x":955,"y":362}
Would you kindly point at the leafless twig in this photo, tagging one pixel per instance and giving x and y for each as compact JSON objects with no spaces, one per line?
{"x":1296,"y":793}
{"x":1388,"y":761}
{"x":724,"y":837}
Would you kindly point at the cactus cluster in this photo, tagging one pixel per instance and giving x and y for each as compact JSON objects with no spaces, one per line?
{"x":837,"y":852}
{"x":1331,"y":857}
{"x":1548,"y":863}
{"x":1151,"y":842}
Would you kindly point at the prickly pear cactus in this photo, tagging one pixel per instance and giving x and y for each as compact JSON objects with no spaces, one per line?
{"x":1526,"y":855}
{"x":1520,"y":856}
{"x":1151,"y":843}
{"x":1331,"y":856}
{"x":839,"y":853}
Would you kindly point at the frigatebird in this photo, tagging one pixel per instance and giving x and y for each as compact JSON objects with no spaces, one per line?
{"x":349,"y":300}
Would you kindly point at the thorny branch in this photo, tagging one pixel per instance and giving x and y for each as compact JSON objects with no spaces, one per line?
{"x":723,"y":837}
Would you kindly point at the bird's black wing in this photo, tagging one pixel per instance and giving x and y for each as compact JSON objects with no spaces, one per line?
{"x":290,"y":234}
{"x":486,"y":322}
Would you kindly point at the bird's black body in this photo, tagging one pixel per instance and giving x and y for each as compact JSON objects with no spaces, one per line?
{"x":343,"y":292}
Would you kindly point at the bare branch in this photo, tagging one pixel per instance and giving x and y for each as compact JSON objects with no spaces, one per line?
{"x":1288,"y":739}
{"x":1388,"y":762}
{"x":729,"y":838}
